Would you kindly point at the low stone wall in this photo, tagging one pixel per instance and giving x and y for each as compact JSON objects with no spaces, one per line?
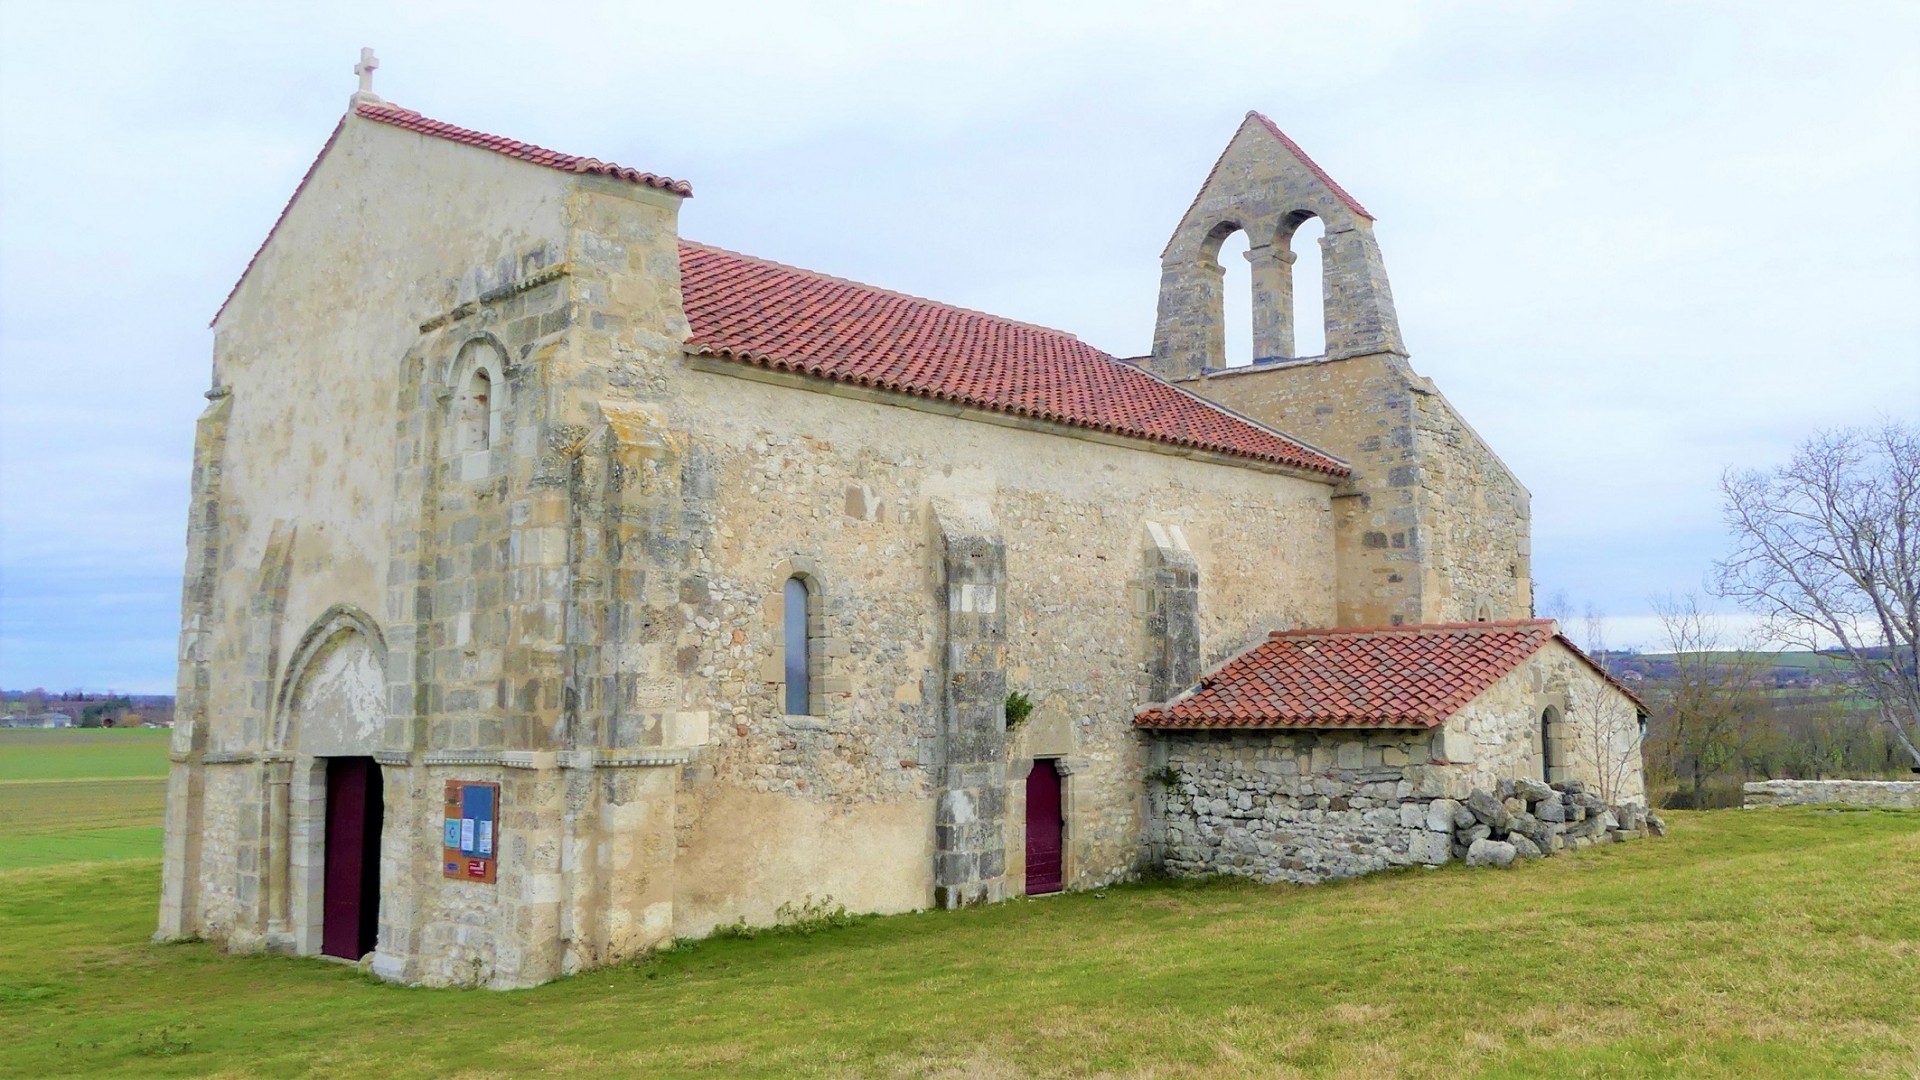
{"x":1888,"y":794}
{"x":1311,"y":807}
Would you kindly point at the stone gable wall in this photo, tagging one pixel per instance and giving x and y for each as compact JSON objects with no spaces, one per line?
{"x":1261,"y":188}
{"x":1497,"y":736}
{"x":296,"y":499}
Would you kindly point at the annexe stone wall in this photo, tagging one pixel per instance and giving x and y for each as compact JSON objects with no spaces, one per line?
{"x":1305,"y":807}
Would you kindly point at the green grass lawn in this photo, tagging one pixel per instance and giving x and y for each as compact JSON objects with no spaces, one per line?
{"x":80,"y":796}
{"x":82,"y":753}
{"x":1746,"y":944}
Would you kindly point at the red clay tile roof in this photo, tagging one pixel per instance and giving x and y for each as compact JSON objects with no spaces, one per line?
{"x":1313,"y":166}
{"x":1379,"y":677}
{"x":787,"y":319}
{"x":413,"y":121}
{"x":552,"y":159}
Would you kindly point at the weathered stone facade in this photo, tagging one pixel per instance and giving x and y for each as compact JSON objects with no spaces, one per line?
{"x":468,"y":506}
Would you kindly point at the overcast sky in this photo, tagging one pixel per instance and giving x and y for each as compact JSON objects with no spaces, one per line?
{"x":1633,"y":242}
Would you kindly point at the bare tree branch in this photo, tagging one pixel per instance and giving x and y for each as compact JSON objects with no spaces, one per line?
{"x":1827,"y":549}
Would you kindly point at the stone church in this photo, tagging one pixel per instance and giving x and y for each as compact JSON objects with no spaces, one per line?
{"x":558,"y":586}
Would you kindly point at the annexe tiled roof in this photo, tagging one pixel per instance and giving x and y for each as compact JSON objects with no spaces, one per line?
{"x":787,"y":319}
{"x":1367,"y":677}
{"x":407,"y":119}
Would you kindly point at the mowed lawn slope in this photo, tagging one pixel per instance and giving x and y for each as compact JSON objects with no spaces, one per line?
{"x":1746,"y":944}
{"x":80,"y":795}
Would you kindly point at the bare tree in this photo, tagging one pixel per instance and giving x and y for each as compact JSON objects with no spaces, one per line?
{"x":1610,"y":737}
{"x":1827,"y":547}
{"x":1707,"y":709}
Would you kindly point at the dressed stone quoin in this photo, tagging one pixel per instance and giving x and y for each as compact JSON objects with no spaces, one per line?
{"x":558,"y":586}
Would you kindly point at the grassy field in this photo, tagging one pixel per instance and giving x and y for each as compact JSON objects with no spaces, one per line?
{"x":80,"y":796}
{"x":1746,"y":944}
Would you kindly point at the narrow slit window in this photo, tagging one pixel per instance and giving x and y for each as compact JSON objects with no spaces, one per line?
{"x":476,"y":412}
{"x":1549,"y":745}
{"x":799,"y":649}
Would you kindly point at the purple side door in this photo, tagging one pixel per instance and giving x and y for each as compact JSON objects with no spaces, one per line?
{"x":1043,"y":828}
{"x":351,"y":905}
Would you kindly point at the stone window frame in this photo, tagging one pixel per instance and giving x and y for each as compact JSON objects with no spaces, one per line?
{"x":819,"y":644}
{"x":480,"y":355}
{"x":1550,"y":739}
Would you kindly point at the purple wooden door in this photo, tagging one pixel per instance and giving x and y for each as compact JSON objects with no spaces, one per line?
{"x":352,"y":900}
{"x":1043,"y":829}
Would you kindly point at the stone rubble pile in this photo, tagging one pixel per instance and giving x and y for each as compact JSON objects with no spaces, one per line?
{"x":1527,"y":819}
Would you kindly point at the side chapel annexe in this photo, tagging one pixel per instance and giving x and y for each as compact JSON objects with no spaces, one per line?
{"x":558,"y":586}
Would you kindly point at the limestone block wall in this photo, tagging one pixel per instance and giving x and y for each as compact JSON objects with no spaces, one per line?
{"x":1306,"y":807}
{"x":1432,"y":526}
{"x":1476,"y":519}
{"x":1880,"y":794}
{"x":1360,"y":409}
{"x":843,"y":802}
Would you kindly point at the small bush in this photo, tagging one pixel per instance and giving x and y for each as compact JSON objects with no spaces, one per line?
{"x":1019,"y":707}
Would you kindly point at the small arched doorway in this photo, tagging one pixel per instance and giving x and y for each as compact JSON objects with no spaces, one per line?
{"x":1046,"y":828}
{"x":333,"y":719}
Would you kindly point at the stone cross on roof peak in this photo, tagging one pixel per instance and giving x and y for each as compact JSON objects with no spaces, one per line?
{"x":364,"y":69}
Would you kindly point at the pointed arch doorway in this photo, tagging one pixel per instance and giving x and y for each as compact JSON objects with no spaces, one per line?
{"x":328,"y":800}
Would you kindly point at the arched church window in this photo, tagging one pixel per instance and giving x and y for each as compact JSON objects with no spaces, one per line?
{"x":473,"y":412}
{"x":798,"y":644}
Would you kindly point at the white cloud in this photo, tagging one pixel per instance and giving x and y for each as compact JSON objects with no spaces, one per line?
{"x":1633,"y":243}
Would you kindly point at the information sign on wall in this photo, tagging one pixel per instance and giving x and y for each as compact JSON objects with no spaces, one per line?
{"x":468,"y":849}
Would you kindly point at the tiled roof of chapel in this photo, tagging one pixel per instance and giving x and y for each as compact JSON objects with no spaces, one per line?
{"x":787,"y":319}
{"x":1365,"y":677}
{"x":553,"y":159}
